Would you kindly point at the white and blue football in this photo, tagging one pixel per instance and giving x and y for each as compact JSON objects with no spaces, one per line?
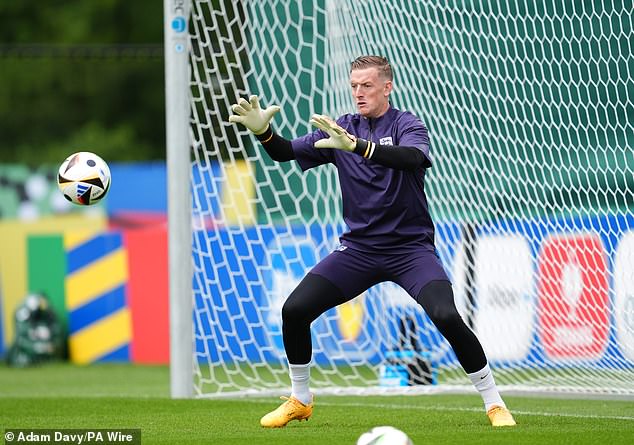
{"x":84,"y":178}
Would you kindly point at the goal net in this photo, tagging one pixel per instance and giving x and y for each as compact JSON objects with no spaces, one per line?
{"x":529,"y":108}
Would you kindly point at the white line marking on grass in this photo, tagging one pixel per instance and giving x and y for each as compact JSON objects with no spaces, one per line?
{"x":476,"y":410}
{"x":448,"y":408}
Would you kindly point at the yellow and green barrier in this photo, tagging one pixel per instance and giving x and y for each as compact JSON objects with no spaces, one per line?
{"x":86,"y":281}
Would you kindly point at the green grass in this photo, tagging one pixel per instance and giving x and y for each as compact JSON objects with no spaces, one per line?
{"x":128,"y":396}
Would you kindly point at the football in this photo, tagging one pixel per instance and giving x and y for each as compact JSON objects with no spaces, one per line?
{"x":384,"y":435}
{"x":84,"y":178}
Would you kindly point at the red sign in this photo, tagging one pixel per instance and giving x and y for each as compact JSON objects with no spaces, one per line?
{"x":573,"y":296}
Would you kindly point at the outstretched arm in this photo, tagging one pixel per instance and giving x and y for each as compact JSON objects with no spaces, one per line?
{"x":257,"y":120}
{"x":393,"y":156}
{"x":278,"y":148}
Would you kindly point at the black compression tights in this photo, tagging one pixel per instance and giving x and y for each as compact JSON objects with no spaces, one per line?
{"x":437,"y":300}
{"x":315,"y":295}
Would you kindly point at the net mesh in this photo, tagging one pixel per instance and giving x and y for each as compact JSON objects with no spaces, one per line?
{"x":529,"y":111}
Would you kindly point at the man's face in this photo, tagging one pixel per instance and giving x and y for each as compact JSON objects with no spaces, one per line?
{"x":371,"y":92}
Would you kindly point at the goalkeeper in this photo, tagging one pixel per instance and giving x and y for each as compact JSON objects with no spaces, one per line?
{"x":381,"y":155}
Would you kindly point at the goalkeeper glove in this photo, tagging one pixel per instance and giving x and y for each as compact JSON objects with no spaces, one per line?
{"x":251,"y":115}
{"x":339,"y":138}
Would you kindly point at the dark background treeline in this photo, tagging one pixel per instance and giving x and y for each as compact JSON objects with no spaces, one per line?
{"x":81,"y":75}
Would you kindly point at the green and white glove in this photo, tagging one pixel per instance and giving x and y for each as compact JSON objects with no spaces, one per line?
{"x":251,"y":115}
{"x":339,"y":138}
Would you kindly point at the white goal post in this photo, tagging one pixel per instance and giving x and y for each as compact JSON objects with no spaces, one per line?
{"x":176,"y":15}
{"x":529,"y":108}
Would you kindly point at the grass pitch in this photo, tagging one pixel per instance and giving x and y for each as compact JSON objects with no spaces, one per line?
{"x":129,"y":396}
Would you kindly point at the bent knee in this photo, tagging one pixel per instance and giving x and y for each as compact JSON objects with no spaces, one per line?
{"x":437,"y":300}
{"x":443,"y":316}
{"x":292,"y":310}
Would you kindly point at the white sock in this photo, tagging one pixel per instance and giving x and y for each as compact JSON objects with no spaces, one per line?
{"x":484,"y":383}
{"x":300,"y":382}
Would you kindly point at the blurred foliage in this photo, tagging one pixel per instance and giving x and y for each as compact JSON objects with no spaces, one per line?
{"x":80,"y":75}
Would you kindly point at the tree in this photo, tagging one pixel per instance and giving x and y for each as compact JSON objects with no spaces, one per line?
{"x":81,"y":75}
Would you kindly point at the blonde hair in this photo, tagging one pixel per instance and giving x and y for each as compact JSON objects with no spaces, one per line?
{"x":379,"y":62}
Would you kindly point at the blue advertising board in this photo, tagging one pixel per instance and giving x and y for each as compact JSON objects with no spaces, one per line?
{"x":243,"y":276}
